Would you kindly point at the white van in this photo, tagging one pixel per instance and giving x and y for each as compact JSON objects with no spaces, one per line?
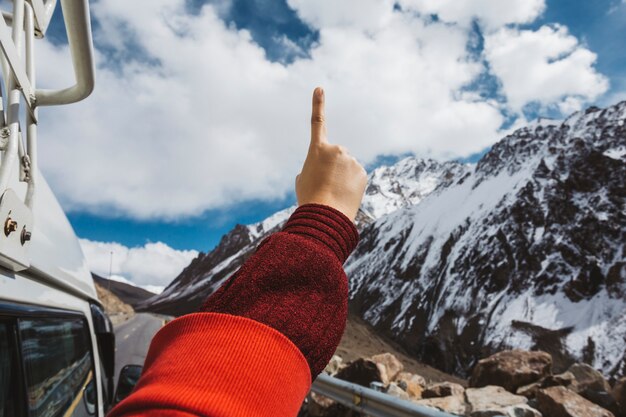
{"x":56,"y":343}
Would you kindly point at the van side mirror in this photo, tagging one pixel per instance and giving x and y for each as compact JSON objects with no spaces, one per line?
{"x":129,"y":375}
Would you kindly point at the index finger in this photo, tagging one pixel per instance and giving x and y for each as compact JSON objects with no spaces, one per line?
{"x":318,"y":121}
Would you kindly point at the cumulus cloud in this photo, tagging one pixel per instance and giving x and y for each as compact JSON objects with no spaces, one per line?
{"x":491,"y":14}
{"x":546,"y":66}
{"x":189,"y":114}
{"x":151,"y":266}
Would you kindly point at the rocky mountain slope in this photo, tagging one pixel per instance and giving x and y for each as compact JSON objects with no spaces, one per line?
{"x":525,"y":249}
{"x":127,"y":293}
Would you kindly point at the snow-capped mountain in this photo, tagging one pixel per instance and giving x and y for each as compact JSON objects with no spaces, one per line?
{"x":527,"y":251}
{"x":524,"y":249}
{"x":389,"y":188}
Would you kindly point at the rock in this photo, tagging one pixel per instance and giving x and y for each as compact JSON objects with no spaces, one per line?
{"x":390,"y":365}
{"x":529,"y":391}
{"x":592,"y":385}
{"x":493,"y":401}
{"x":562,"y":402}
{"x":588,"y":379}
{"x":318,"y":406}
{"x":412,"y":384}
{"x":566,"y":379}
{"x":511,"y":369}
{"x":603,"y":399}
{"x":362,"y":372}
{"x":453,"y":404}
{"x":519,"y":410}
{"x":443,"y":389}
{"x":397,"y":392}
{"x":619,"y":394}
{"x":407,"y":376}
{"x":335,"y":365}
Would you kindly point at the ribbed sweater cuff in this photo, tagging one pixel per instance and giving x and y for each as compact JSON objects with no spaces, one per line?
{"x":327,"y":225}
{"x":209,"y":364}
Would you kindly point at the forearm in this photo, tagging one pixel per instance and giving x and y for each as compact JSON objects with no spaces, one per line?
{"x":295,"y":283}
{"x":274,"y":325}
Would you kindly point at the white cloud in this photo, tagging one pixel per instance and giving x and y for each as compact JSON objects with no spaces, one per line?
{"x":548,"y":66}
{"x":491,"y":14}
{"x":364,"y":14}
{"x":201,"y":119}
{"x":151,"y":266}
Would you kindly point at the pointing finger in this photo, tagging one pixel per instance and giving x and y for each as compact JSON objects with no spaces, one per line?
{"x":318,"y":121}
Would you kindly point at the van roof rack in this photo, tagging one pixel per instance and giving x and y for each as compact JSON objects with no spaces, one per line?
{"x":28,"y":20}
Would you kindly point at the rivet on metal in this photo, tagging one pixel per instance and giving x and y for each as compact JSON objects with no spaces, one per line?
{"x":25,"y":236}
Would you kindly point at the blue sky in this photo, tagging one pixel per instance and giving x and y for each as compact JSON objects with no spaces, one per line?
{"x":292,"y":36}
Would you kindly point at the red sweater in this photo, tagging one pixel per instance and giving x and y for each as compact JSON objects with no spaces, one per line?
{"x":260,"y":340}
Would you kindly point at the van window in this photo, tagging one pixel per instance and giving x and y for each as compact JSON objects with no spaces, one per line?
{"x":58,"y":366}
{"x":10,"y":381}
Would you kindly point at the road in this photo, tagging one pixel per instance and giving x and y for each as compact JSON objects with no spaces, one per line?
{"x":132,"y":339}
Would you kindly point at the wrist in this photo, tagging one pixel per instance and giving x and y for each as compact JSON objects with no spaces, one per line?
{"x":328,"y":201}
{"x":327,"y":225}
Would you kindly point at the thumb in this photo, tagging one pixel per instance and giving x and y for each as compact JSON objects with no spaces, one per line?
{"x":318,"y":120}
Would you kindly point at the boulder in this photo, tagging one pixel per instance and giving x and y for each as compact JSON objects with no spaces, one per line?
{"x":389,"y":364}
{"x":511,"y":369}
{"x":562,"y":402}
{"x":565,"y":379}
{"x":362,"y":372}
{"x":442,"y":389}
{"x":592,"y":385}
{"x":619,"y":394}
{"x":603,"y":399}
{"x":493,"y":401}
{"x":319,"y":406}
{"x":394,"y":390}
{"x":453,"y":404}
{"x":411,"y":383}
{"x":335,"y":365}
{"x":588,"y":379}
{"x":520,"y":410}
{"x":529,"y":391}
{"x":407,"y":376}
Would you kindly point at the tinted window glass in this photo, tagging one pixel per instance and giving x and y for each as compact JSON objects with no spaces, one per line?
{"x":10,"y":381}
{"x":58,"y":363}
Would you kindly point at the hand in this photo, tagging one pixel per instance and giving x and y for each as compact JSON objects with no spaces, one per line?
{"x":330,"y":176}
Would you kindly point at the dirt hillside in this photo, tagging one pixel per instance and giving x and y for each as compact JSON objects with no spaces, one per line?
{"x":360,"y":341}
{"x":117,"y":310}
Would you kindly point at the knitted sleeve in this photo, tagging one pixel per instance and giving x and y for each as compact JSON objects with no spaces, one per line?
{"x":295,"y":283}
{"x":259,"y":341}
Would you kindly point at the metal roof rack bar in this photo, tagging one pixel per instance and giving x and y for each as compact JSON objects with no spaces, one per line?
{"x":368,"y":401}
{"x":78,"y":27}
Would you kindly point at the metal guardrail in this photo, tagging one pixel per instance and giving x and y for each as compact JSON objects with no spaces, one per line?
{"x":368,"y":401}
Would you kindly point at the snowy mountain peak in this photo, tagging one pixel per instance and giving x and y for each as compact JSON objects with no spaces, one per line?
{"x":406,"y":183}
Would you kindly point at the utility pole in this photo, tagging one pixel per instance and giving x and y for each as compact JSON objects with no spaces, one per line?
{"x":110,"y":269}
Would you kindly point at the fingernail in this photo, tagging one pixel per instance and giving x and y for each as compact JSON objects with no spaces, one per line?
{"x":320,"y":92}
